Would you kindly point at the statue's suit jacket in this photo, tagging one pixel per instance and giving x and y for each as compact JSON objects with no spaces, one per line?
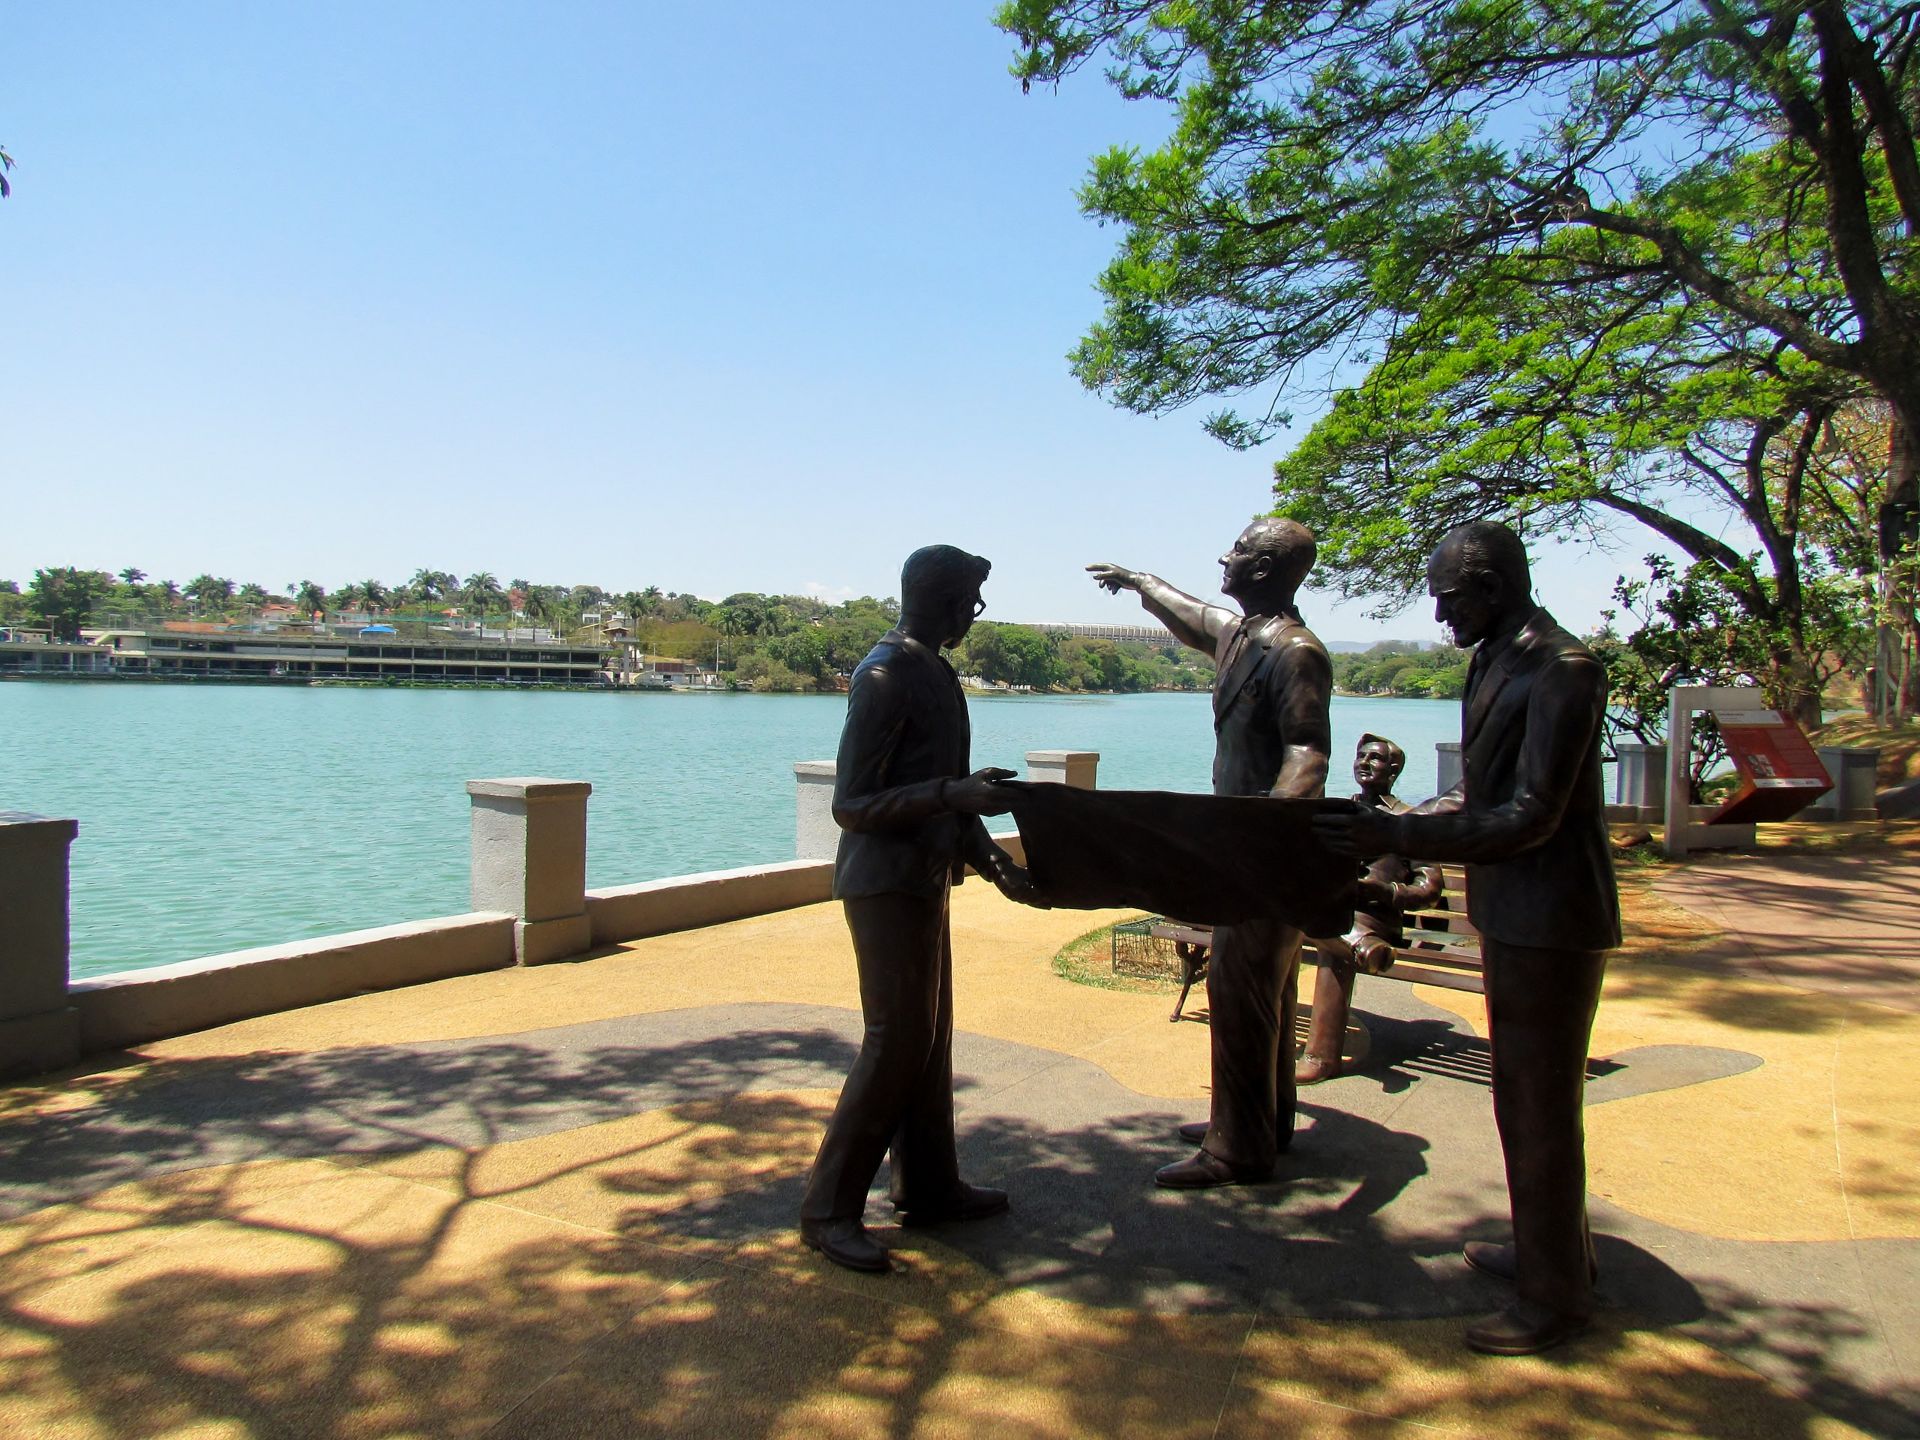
{"x":1257,"y":714}
{"x":1529,"y":814}
{"x":906,"y":733}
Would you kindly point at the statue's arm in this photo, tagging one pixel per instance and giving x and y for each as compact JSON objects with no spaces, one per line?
{"x":1563,"y":725}
{"x":1421,"y":891}
{"x":1447,"y":802}
{"x":1304,"y":677}
{"x":876,"y":719}
{"x":1193,"y":621}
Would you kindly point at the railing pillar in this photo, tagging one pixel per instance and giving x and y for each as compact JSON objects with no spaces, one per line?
{"x":530,"y":859}
{"x":815,"y":835}
{"x":39,"y":1030}
{"x":1855,"y":772}
{"x":1078,"y":768}
{"x":1447,"y":766}
{"x":1640,"y":779}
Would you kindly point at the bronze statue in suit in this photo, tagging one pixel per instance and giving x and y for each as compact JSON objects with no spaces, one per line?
{"x":909,"y":814}
{"x":1271,"y":693}
{"x":1529,"y":820}
{"x":1391,"y":886}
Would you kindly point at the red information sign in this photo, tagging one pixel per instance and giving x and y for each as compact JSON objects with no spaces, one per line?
{"x":1780,"y":773}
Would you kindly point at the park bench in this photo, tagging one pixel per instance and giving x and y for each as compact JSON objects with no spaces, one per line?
{"x":1442,"y":946}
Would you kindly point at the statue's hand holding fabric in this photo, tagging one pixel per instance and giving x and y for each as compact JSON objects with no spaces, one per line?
{"x":978,"y":793}
{"x":1362,"y":832}
{"x":1012,"y":880}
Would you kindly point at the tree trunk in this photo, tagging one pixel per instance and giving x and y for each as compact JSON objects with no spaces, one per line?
{"x":1899,"y":531}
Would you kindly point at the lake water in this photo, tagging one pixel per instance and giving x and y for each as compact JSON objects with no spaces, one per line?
{"x":213,"y":819}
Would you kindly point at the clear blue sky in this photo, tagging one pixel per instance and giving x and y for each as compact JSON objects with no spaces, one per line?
{"x":714,"y":298}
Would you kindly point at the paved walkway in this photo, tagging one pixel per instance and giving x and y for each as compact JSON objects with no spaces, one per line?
{"x":559,"y":1202}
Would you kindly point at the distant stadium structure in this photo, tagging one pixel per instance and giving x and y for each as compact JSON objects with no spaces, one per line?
{"x":1155,"y":635}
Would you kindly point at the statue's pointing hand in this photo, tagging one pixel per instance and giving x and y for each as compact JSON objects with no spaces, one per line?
{"x":1114,"y":578}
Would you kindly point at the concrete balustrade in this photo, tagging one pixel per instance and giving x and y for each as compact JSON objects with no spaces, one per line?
{"x":1855,"y":772}
{"x":1639,"y":783}
{"x":1077,"y":768}
{"x":815,"y":835}
{"x":530,"y":859}
{"x":135,"y":1006}
{"x":687,"y":902}
{"x":530,"y":902}
{"x":1448,"y":766}
{"x":39,"y":1028}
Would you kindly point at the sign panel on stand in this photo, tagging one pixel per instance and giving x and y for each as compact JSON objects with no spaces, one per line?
{"x":1780,"y":773}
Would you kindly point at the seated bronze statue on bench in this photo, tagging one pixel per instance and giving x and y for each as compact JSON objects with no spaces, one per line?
{"x":1389,"y":887}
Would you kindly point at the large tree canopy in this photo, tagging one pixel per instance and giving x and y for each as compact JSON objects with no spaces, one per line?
{"x":1334,"y":164}
{"x":1699,"y":193}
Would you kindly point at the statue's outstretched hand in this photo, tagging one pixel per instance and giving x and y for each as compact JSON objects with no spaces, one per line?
{"x":977,"y":794}
{"x":1114,"y":578}
{"x":1359,"y":832}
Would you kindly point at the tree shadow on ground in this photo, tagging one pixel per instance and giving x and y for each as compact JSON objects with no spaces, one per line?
{"x":600,"y":1242}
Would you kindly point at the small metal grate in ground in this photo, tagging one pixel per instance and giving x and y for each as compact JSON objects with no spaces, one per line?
{"x":1137,"y":953}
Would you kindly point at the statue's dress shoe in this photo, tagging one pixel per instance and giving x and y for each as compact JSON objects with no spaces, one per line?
{"x":1205,"y":1171}
{"x":847,"y":1243}
{"x":1523,"y":1329}
{"x":1312,"y":1070}
{"x":966,"y":1202}
{"x":1498,"y":1261}
{"x":1194,"y":1132}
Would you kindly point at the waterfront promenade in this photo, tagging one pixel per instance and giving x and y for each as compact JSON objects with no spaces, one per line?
{"x":559,"y":1201}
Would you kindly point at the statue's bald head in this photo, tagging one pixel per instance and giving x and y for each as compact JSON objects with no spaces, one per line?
{"x":1487,"y":547}
{"x":1288,"y":543}
{"x":1480,"y":581}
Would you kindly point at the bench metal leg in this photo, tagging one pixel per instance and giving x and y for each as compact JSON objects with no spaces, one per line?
{"x":1193,"y":965}
{"x":1181,"y":1001}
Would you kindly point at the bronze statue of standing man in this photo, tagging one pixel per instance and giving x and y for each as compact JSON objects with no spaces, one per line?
{"x":1271,"y":694}
{"x":1529,"y":820}
{"x":909,"y":814}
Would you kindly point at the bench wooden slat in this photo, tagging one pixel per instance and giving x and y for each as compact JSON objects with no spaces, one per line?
{"x":1451,"y":922}
{"x":1466,"y":980}
{"x":1444,"y":948}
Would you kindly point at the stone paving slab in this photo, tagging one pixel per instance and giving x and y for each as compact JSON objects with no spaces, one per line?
{"x":1843,"y":924}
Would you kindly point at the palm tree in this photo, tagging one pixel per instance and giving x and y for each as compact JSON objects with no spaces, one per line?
{"x":374,"y":595}
{"x":349,"y":597}
{"x":310,"y":598}
{"x":132,"y":576}
{"x":480,"y":591}
{"x":253,"y":596}
{"x":538,"y":605}
{"x":432,"y":585}
{"x":210,"y":591}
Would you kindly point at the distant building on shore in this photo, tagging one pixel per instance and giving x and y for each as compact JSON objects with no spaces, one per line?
{"x":376,"y":654}
{"x":1154,"y":635}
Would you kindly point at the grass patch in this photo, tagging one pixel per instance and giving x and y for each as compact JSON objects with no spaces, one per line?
{"x":1088,"y":960}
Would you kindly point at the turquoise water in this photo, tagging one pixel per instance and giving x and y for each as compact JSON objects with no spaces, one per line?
{"x":213,"y":819}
